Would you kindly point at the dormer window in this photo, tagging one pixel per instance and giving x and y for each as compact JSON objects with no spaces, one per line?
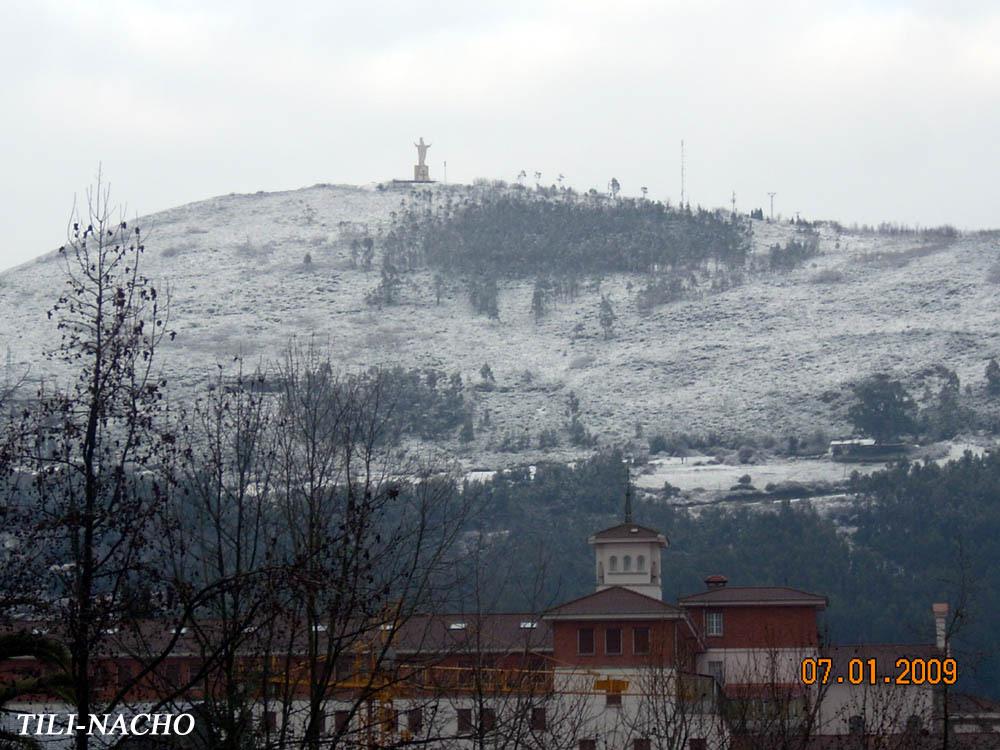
{"x":528,"y":624}
{"x":456,"y":626}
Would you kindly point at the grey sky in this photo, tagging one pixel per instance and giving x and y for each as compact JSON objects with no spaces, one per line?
{"x":855,"y":111}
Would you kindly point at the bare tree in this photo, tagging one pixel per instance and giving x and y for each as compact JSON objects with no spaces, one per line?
{"x":87,"y":466}
{"x":367,"y":544}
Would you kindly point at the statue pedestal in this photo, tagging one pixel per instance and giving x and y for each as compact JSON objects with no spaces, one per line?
{"x":421,"y":173}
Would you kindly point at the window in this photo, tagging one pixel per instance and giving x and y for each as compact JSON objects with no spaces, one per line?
{"x":697,"y":743}
{"x":124,"y":675}
{"x":390,"y":720}
{"x":856,"y":724}
{"x":613,"y":641}
{"x":613,"y":699}
{"x":340,"y":720}
{"x":717,"y":670}
{"x":587,"y":745}
{"x":713,"y":623}
{"x":270,"y":720}
{"x":415,"y":720}
{"x":173,"y":674}
{"x":640,"y":563}
{"x":640,"y":744}
{"x":627,"y":562}
{"x":585,"y":640}
{"x":464,"y":720}
{"x":487,"y":719}
{"x":613,"y":563}
{"x":538,"y":719}
{"x":640,"y":640}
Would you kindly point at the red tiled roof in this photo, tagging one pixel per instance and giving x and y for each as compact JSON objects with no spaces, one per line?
{"x":966,"y":704}
{"x":614,"y":601}
{"x":630,"y":531}
{"x":751,"y":595}
{"x":483,"y":633}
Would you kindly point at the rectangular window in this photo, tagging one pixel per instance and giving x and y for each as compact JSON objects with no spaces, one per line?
{"x":585,"y":641}
{"x":613,"y":699}
{"x":713,"y":623}
{"x":270,"y":720}
{"x":640,"y":641}
{"x":587,"y":745}
{"x":464,"y":720}
{"x":415,"y":720}
{"x":613,"y":641}
{"x":341,"y":719}
{"x":125,"y":674}
{"x":718,"y":671}
{"x":640,"y":744}
{"x":487,"y":719}
{"x":538,"y":719}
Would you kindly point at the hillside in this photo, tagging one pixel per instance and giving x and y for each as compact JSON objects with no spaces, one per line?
{"x":770,"y":357}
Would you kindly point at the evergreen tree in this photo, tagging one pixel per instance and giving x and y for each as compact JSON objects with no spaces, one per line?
{"x":993,"y":377}
{"x":884,"y":408}
{"x":607,"y":317}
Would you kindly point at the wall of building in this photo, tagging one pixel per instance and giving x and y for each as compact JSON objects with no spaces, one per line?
{"x":761,"y":627}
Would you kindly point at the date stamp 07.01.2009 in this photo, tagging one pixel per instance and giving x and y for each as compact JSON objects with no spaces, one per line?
{"x":904,"y":671}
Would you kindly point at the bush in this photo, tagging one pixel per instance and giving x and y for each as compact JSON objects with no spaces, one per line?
{"x":658,"y":444}
{"x":548,"y":438}
{"x":828,"y":276}
{"x":745,"y":454}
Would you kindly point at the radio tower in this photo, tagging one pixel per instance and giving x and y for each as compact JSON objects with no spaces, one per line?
{"x":682,"y":173}
{"x":772,"y":204}
{"x":734,"y":202}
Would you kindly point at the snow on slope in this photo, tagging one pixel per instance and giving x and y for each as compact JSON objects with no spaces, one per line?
{"x":755,"y":359}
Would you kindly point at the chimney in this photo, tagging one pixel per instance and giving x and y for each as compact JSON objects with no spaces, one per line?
{"x":716,"y":582}
{"x":940,"y":625}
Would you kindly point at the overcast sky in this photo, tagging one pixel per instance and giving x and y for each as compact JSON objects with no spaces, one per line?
{"x":859,"y":111}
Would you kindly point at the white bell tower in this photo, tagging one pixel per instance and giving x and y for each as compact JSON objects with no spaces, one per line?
{"x":628,"y":555}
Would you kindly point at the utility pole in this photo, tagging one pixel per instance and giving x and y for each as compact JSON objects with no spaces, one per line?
{"x":772,"y":204}
{"x":734,"y":202}
{"x":446,"y":173}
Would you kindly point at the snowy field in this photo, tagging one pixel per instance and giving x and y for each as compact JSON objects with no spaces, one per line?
{"x":772,"y":357}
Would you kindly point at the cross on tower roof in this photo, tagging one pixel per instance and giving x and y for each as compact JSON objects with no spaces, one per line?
{"x":628,"y":494}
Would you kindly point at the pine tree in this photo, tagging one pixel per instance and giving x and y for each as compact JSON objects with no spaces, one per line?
{"x":993,"y":377}
{"x":607,"y":317}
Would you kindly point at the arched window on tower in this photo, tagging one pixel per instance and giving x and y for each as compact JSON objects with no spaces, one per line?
{"x":613,"y":563}
{"x":640,"y":563}
{"x":600,"y":572}
{"x":653,"y":571}
{"x":627,"y":562}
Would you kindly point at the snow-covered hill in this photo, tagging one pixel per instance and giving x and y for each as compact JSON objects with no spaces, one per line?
{"x":768,"y":357}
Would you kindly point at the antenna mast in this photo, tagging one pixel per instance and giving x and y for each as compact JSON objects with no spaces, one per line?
{"x":628,"y":492}
{"x":682,"y":173}
{"x":772,"y":204}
